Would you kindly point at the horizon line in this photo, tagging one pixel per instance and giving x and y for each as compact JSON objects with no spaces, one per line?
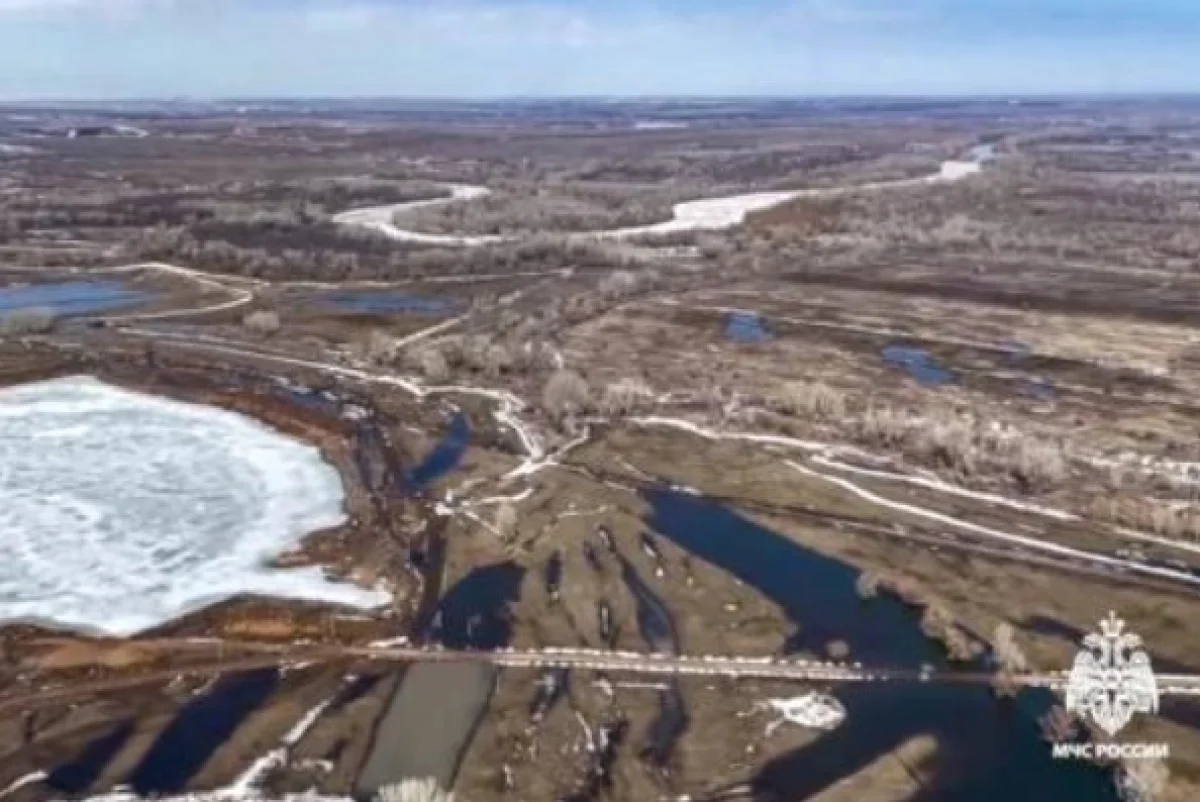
{"x":1015,"y":96}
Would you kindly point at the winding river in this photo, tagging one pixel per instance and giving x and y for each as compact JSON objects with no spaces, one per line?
{"x":705,"y":214}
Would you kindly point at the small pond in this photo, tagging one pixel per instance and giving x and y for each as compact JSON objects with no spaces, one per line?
{"x":746,"y":327}
{"x":66,"y":298}
{"x":918,"y":364}
{"x":384,"y":302}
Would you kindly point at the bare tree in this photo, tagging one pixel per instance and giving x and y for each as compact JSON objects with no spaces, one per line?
{"x":497,"y":360}
{"x":625,"y":396}
{"x":506,"y":520}
{"x":379,"y":348}
{"x":263,"y":322}
{"x":1008,"y":652}
{"x":433,"y":364}
{"x":565,"y":394}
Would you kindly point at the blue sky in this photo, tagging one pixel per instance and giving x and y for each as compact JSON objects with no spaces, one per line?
{"x":481,"y":48}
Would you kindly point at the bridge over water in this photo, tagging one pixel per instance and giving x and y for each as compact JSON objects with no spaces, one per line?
{"x":227,"y":656}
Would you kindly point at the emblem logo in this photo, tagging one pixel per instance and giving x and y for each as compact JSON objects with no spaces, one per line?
{"x":1111,"y":678}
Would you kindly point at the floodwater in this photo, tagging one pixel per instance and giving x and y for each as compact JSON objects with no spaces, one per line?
{"x":79,"y":773}
{"x":990,"y":749}
{"x":917,"y":362}
{"x":746,"y":327}
{"x":384,"y":302}
{"x":67,"y":298}
{"x":443,"y":458}
{"x":660,"y":635}
{"x":474,"y":613}
{"x":199,"y":730}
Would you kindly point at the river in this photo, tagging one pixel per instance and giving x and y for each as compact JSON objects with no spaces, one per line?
{"x":990,"y":749}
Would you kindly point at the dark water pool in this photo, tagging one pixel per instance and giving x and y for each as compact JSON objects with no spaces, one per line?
{"x":384,"y":302}
{"x":658,"y":631}
{"x":199,"y":730}
{"x":66,"y":298}
{"x":444,"y":457}
{"x":78,"y":774}
{"x":990,"y":749}
{"x":474,"y":612}
{"x":746,"y":327}
{"x":917,"y":362}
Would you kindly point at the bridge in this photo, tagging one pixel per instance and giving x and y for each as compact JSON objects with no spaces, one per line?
{"x":218,"y":656}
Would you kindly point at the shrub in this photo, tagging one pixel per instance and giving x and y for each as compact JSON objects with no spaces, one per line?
{"x":810,"y":399}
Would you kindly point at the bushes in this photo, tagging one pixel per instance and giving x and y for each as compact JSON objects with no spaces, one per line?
{"x":809,"y":400}
{"x":33,"y":320}
{"x":969,"y":445}
{"x":1158,"y":516}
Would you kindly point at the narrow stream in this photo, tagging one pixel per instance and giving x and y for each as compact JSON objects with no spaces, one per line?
{"x":990,"y":749}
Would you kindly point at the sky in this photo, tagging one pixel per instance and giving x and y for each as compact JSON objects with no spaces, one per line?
{"x":109,"y":49}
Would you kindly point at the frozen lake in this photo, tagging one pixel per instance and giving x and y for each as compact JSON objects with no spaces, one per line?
{"x":120,"y":511}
